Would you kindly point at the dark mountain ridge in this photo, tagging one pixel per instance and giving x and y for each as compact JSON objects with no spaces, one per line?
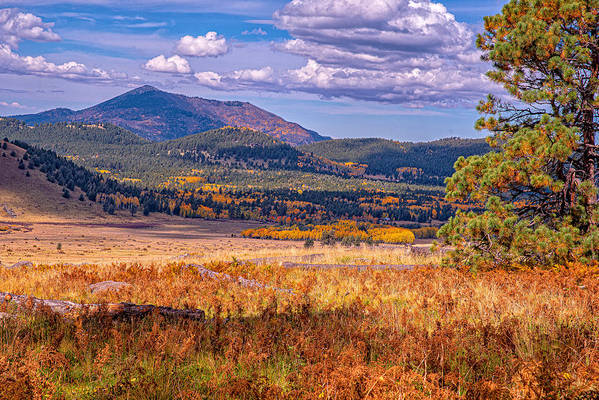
{"x":158,"y":116}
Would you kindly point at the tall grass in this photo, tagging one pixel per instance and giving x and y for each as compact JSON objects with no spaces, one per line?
{"x":345,"y":334}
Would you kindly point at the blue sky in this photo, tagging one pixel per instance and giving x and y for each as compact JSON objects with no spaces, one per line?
{"x":399,"y":69}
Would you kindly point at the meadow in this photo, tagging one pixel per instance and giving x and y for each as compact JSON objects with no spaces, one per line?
{"x":304,"y":332}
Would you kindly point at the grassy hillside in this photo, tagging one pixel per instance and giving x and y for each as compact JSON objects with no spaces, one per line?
{"x":427,"y":163}
{"x":26,"y":194}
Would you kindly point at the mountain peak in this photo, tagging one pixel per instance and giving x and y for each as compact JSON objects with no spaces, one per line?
{"x":158,"y":116}
{"x":144,"y":89}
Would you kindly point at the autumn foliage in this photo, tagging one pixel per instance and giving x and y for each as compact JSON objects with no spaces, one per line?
{"x":343,"y":231}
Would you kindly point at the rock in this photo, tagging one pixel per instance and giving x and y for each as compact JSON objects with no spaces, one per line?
{"x":21,"y":264}
{"x":107,"y":286}
{"x":10,"y":213}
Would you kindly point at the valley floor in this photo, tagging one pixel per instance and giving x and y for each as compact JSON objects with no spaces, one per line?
{"x":282,"y":321}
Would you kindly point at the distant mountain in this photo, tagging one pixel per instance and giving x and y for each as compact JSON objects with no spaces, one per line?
{"x":158,"y":116}
{"x":428,"y":163}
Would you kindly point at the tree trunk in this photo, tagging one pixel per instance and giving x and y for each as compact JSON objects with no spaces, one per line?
{"x":588,"y":133}
{"x":73,"y":310}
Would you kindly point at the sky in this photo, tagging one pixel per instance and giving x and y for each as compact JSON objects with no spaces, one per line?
{"x":405,"y":70}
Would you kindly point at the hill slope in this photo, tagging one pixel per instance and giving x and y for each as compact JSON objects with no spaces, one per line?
{"x":419,"y":162}
{"x":30,"y":198}
{"x":157,"y":115}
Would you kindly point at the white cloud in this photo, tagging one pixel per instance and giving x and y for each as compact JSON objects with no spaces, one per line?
{"x":399,"y":51}
{"x":16,"y":26}
{"x":255,"y":31}
{"x":10,"y":62}
{"x":209,"y":79}
{"x":210,"y":45}
{"x":414,"y":87}
{"x":173,"y":65}
{"x":253,"y":79}
{"x":254,"y":75}
{"x":148,"y":25}
{"x":410,"y":52}
{"x":14,"y":104}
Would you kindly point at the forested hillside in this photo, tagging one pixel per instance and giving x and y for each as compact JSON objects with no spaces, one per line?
{"x":425,"y":163}
{"x":157,"y":115}
{"x":285,"y":206}
{"x":109,"y":148}
{"x":223,"y":173}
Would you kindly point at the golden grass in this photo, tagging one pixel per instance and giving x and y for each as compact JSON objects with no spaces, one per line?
{"x":346,"y":334}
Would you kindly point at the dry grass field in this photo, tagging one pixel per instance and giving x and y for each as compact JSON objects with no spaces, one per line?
{"x":298,"y":333}
{"x":273,"y":329}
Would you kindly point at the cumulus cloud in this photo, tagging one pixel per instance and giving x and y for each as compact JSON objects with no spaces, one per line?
{"x":399,"y":51}
{"x":16,"y":26}
{"x":11,"y":62}
{"x":13,"y":104}
{"x":378,"y":27}
{"x":210,"y":45}
{"x":252,"y":79}
{"x":410,"y":52}
{"x":173,"y":65}
{"x":414,"y":87}
{"x":254,"y":75}
{"x":209,"y":79}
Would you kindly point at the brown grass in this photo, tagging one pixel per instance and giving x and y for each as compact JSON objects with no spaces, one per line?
{"x":426,"y":334}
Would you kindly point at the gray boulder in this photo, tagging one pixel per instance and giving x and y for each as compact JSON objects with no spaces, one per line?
{"x":108,"y":286}
{"x":21,"y":264}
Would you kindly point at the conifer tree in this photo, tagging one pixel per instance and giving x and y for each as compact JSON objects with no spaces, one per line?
{"x":539,"y":184}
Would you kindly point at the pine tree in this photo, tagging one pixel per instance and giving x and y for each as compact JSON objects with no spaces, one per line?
{"x":539,"y":184}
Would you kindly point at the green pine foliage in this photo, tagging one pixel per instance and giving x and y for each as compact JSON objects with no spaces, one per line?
{"x":397,"y":160}
{"x":539,"y":184}
{"x":218,"y":152}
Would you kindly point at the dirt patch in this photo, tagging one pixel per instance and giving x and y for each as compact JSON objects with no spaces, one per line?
{"x":146,"y":239}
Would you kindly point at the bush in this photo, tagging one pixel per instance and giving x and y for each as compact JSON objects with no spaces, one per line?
{"x":328,"y":238}
{"x":309,"y":243}
{"x":348,"y":241}
{"x":81,"y":197}
{"x":428,"y":232}
{"x":66,"y":194}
